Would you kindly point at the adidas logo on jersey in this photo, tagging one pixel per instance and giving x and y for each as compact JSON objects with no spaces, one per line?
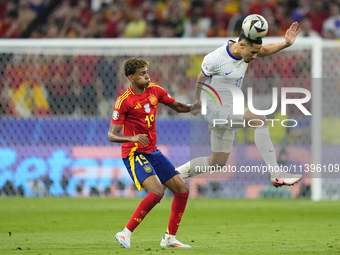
{"x":138,"y":106}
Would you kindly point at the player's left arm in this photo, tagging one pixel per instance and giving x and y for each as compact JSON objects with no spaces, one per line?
{"x":290,"y":37}
{"x":180,"y":107}
{"x":166,"y":99}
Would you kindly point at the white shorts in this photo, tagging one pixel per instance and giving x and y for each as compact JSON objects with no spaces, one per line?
{"x":222,"y":135}
{"x":224,"y":113}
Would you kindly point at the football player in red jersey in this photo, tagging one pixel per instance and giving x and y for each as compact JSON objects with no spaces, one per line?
{"x":135,"y":112}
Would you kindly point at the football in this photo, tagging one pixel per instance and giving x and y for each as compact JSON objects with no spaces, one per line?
{"x":255,"y":27}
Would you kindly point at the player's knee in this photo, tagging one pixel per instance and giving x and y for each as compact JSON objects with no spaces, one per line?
{"x":158,"y":191}
{"x":183,"y":188}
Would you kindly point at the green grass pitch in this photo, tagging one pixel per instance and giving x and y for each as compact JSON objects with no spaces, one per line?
{"x":212,"y":226}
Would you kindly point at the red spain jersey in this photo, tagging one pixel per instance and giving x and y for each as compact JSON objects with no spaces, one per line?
{"x":137,"y":115}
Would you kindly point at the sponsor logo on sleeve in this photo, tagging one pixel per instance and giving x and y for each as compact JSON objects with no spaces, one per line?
{"x":115,"y":115}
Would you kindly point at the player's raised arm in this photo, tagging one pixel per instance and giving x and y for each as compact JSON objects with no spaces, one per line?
{"x":290,"y":37}
{"x":115,"y":136}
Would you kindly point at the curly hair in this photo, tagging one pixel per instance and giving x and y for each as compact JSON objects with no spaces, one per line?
{"x":133,"y":64}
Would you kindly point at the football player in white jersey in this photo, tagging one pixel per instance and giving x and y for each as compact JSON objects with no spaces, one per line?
{"x":227,"y":65}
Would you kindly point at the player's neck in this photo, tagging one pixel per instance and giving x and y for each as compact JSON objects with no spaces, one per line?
{"x":234,"y":50}
{"x":137,"y":90}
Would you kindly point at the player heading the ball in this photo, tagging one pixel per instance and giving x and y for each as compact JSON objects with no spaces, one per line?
{"x":226,"y":66}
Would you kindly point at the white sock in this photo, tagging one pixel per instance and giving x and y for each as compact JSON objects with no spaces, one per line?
{"x":168,"y":235}
{"x":194,"y":167}
{"x":266,"y":148}
{"x":127,"y":231}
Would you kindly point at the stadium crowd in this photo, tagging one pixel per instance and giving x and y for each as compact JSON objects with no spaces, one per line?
{"x":39,"y":85}
{"x":166,"y":18}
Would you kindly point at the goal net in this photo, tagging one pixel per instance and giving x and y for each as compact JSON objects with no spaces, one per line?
{"x":57,"y":98}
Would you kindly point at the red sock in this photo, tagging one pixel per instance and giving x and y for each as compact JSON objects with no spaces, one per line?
{"x":177,"y":209}
{"x":142,"y":210}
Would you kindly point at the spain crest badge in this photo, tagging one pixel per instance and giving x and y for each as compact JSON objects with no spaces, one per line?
{"x":153,"y":100}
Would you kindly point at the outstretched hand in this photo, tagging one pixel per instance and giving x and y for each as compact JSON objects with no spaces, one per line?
{"x":291,"y":33}
{"x":196,"y":107}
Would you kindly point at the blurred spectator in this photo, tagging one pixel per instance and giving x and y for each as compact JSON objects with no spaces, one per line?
{"x":196,"y":18}
{"x":332,"y":24}
{"x":87,"y":91}
{"x":98,"y":26}
{"x":153,"y":13}
{"x":231,"y":7}
{"x":302,"y":9}
{"x":220,"y":21}
{"x":96,"y":5}
{"x":82,"y":12}
{"x":137,"y":26}
{"x":165,"y":30}
{"x":275,"y":28}
{"x":9,"y":25}
{"x":269,"y":14}
{"x":120,"y":28}
{"x":329,"y":35}
{"x":175,"y":18}
{"x":112,"y":17}
{"x":317,"y":15}
{"x":37,"y":5}
{"x":235,"y":23}
{"x":306,"y":28}
{"x":258,"y":6}
{"x":150,"y":31}
{"x":65,"y":11}
{"x":60,"y":86}
{"x":3,"y":8}
{"x":28,"y":94}
{"x":282,"y":15}
{"x":197,"y":25}
{"x":26,"y":14}
{"x":106,"y":73}
{"x":76,"y":29}
{"x":193,"y":29}
{"x":17,"y":18}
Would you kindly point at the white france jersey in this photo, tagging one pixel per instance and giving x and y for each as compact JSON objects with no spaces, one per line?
{"x":223,"y":68}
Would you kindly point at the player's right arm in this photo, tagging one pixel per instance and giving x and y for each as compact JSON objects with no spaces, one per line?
{"x":200,"y":79}
{"x":207,"y":70}
{"x":115,"y":136}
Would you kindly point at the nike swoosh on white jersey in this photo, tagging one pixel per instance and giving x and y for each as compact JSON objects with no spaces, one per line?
{"x":228,"y":73}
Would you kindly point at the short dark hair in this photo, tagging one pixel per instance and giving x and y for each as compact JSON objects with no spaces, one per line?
{"x":250,"y":42}
{"x":133,"y":64}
